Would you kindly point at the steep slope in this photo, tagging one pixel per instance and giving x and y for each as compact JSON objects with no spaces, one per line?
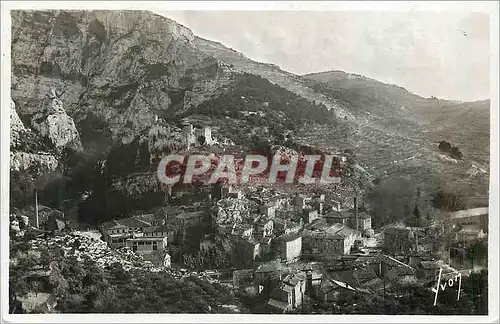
{"x":401,"y":131}
{"x":29,"y":152}
{"x":127,"y":78}
{"x":273,"y":73}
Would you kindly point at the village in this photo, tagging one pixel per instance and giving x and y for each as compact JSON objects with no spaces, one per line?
{"x":282,"y":248}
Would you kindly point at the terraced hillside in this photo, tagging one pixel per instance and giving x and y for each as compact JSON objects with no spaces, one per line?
{"x":399,"y":134}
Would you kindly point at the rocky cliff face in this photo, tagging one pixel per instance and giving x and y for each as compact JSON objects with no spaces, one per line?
{"x":28,"y":152}
{"x":53,"y":123}
{"x":123,"y":77}
{"x":122,"y":68}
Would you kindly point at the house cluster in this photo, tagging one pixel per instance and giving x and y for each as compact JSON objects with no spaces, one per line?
{"x":286,"y":287}
{"x":469,"y":225}
{"x":144,"y":234}
{"x":288,"y":226}
{"x":465,"y":229}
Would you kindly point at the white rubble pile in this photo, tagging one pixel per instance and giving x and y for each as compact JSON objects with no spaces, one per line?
{"x":83,"y":247}
{"x":97,"y":250}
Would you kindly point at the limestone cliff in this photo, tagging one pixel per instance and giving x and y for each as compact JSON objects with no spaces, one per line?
{"x":53,"y":123}
{"x":120,"y":68}
{"x":28,"y":152}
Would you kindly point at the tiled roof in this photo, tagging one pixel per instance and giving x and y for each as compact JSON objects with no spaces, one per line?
{"x":289,"y":237}
{"x":278,"y":304}
{"x":112,"y":224}
{"x":346,"y":231}
{"x":148,"y":218}
{"x":430,"y":265}
{"x":347,"y":214}
{"x":160,"y":228}
{"x":133,"y":222}
{"x":294,"y":279}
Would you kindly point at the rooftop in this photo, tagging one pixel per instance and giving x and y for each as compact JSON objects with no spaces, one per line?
{"x":289,"y":237}
{"x":145,"y":239}
{"x":134,"y":222}
{"x":160,"y":228}
{"x":278,"y":304}
{"x":344,"y":214}
{"x":294,"y":279}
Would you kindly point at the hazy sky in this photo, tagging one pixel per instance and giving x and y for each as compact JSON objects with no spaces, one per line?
{"x":442,"y":54}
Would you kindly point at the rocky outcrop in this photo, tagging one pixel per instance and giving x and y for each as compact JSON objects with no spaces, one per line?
{"x":165,"y":139}
{"x":53,"y":123}
{"x":27,"y":150}
{"x":232,"y":210}
{"x":17,"y":129}
{"x":21,"y":161}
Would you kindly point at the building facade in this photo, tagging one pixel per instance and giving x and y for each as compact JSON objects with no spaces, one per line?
{"x":324,"y":244}
{"x":291,"y":247}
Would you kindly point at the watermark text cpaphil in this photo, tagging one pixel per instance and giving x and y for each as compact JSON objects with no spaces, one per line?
{"x":302,"y":169}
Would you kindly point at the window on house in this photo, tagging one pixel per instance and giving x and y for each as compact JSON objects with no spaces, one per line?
{"x":141,"y":243}
{"x":155,"y":246}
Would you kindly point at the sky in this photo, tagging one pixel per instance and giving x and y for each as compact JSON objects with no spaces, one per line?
{"x":441,"y":54}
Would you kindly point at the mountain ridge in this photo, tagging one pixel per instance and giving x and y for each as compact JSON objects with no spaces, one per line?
{"x":118,"y":79}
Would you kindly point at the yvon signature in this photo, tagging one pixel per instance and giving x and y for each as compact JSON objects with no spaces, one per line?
{"x":457,"y":279}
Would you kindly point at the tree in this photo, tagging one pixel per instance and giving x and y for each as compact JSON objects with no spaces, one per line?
{"x":477,"y":252}
{"x":416,"y":212}
{"x":444,"y":146}
{"x":455,"y":153}
{"x":448,"y":201}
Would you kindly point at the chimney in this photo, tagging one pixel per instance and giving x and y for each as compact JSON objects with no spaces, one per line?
{"x":36,"y":209}
{"x":356,"y":211}
{"x":309,"y":282}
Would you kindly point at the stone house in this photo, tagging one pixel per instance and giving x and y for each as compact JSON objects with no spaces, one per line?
{"x":268,"y":209}
{"x":323,"y":244}
{"x":147,"y":245}
{"x":291,"y":246}
{"x":362,"y":222}
{"x":117,"y":231}
{"x":331,"y":290}
{"x":289,"y":294}
{"x":309,"y":215}
{"x":264,"y":227}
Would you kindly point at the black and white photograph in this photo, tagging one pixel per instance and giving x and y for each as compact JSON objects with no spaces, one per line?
{"x":249,"y":161}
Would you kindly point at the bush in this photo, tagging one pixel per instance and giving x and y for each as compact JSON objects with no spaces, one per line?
{"x":448,"y":201}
